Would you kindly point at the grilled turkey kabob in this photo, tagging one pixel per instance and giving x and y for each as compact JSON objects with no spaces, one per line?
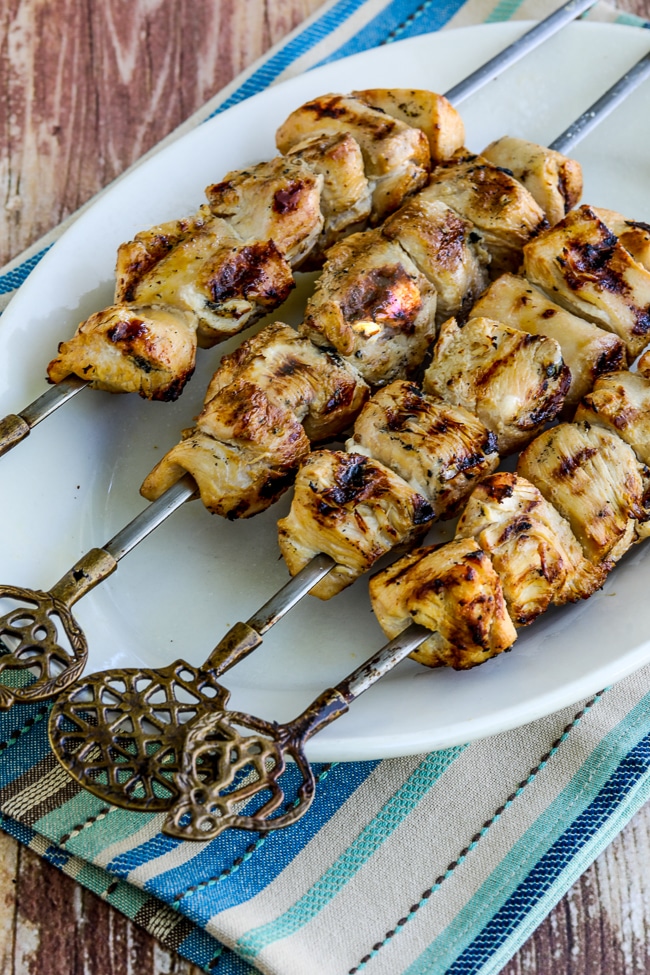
{"x":344,"y":203}
{"x":238,"y":472}
{"x":198,"y":280}
{"x":456,"y":604}
{"x":263,"y":491}
{"x":247,"y":444}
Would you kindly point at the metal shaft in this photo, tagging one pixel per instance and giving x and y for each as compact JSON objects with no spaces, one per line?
{"x":152,"y":516}
{"x":603,"y":106}
{"x":291,"y":593}
{"x":518,"y":49}
{"x":17,"y":426}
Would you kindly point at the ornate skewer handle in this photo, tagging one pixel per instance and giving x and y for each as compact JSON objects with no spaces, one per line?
{"x":247,"y":768}
{"x":43,"y":644}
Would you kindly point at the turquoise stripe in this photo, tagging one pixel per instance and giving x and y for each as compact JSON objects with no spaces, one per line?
{"x":631,"y":803}
{"x":503,"y":11}
{"x":513,"y":869}
{"x":358,"y":853}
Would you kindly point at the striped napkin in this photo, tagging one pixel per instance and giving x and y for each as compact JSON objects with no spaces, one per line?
{"x":430,"y":864}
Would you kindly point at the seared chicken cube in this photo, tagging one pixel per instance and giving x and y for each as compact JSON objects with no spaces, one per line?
{"x":440,"y":450}
{"x":373,"y":306}
{"x":620,"y":402}
{"x":513,"y":381}
{"x":353,"y":509}
{"x":243,"y":453}
{"x":588,"y":351}
{"x":454,"y":591}
{"x":277,"y":200}
{"x":634,"y":235}
{"x":554,"y":180}
{"x":424,"y":110}
{"x":536,"y":555}
{"x":138,"y":256}
{"x":225,"y":283}
{"x":131,"y":349}
{"x":396,"y":156}
{"x":500,"y":208}
{"x":323,"y":392}
{"x":346,"y":200}
{"x":446,"y":249}
{"x":582,"y":265}
{"x":594,"y":480}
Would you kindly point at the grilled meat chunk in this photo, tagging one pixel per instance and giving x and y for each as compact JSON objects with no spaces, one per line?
{"x":346,"y":200}
{"x":131,"y":349}
{"x":277,"y":200}
{"x":582,"y":265}
{"x":353,"y":509}
{"x":243,"y":453}
{"x":513,"y":381}
{"x":424,"y":110}
{"x":446,"y":249}
{"x":501,"y":209}
{"x":373,"y":306}
{"x":634,"y":235}
{"x":323,"y":392}
{"x":536,"y":555}
{"x":396,"y":156}
{"x":587,"y":350}
{"x":554,"y":180}
{"x":224,"y":283}
{"x":135,"y":258}
{"x":454,"y":591}
{"x":620,"y":402}
{"x":440,"y":450}
{"x":594,"y":481}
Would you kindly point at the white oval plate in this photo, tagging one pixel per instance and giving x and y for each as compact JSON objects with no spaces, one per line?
{"x":75,"y":481}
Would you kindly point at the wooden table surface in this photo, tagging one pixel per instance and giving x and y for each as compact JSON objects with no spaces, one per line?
{"x":88,"y":89}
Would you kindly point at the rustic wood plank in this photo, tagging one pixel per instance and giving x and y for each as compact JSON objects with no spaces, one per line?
{"x":82,"y":104}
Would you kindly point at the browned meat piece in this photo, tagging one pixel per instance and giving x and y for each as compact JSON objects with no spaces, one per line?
{"x":396,"y":156}
{"x":446,"y":249}
{"x":321,"y":390}
{"x":513,"y":381}
{"x":594,"y":481}
{"x":440,"y":450}
{"x":621,"y":402}
{"x":346,"y":200}
{"x":424,"y":110}
{"x":454,"y":591}
{"x":582,"y":265}
{"x":353,"y":509}
{"x":243,"y":453}
{"x":500,"y":208}
{"x":135,"y":258}
{"x":131,"y":349}
{"x":536,"y":555}
{"x":554,"y":180}
{"x":634,"y":235}
{"x":224,"y":283}
{"x":373,"y":306}
{"x":587,"y":350}
{"x":277,"y":200}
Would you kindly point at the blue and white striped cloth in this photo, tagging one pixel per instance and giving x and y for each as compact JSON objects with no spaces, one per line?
{"x":431,"y":864}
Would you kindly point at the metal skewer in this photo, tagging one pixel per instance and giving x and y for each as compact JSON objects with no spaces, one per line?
{"x":121,"y":733}
{"x":15,"y":427}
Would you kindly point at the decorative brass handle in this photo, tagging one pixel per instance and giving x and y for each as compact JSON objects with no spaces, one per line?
{"x":121,"y":733}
